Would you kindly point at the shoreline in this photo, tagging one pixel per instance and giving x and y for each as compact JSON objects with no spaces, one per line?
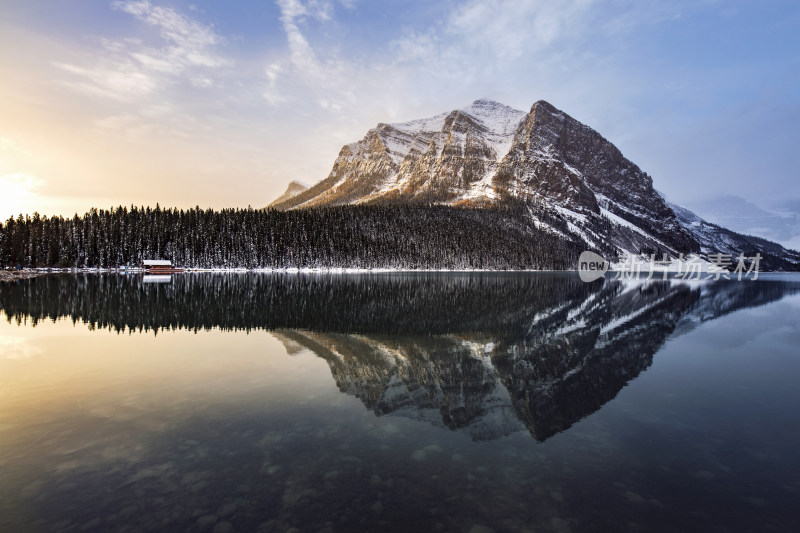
{"x":14,"y":275}
{"x":34,"y":272}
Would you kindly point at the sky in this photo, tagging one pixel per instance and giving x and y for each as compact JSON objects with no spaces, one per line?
{"x":221,"y":104}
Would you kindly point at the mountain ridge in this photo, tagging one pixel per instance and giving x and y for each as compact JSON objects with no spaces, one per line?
{"x":487,"y":154}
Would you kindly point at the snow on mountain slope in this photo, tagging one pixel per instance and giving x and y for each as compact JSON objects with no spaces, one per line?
{"x":577,"y":184}
{"x":448,"y":158}
{"x":781,"y":225}
{"x":714,"y":239}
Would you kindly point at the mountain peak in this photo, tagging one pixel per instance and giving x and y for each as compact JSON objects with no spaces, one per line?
{"x":488,"y":152}
{"x":574,"y":183}
{"x":295,"y":187}
{"x":485,"y":102}
{"x":545,"y":104}
{"x":485,"y":110}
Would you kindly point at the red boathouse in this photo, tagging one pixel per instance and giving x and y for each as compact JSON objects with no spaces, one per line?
{"x":159,"y":266}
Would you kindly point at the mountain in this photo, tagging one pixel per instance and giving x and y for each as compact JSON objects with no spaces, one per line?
{"x":449,"y":158}
{"x":576,"y":184}
{"x":294,"y":188}
{"x":714,"y":239}
{"x":779,"y":223}
{"x":488,"y":153}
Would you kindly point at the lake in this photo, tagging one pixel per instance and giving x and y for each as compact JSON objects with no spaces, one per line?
{"x":469,"y":402}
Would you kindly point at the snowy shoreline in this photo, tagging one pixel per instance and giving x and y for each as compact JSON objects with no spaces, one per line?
{"x":13,"y":275}
{"x":635,"y":273}
{"x":260,"y":270}
{"x":629,"y":266}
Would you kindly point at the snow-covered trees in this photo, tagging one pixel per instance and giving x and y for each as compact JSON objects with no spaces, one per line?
{"x":367,"y":236}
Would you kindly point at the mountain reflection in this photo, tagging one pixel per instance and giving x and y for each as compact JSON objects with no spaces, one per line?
{"x":486,"y":353}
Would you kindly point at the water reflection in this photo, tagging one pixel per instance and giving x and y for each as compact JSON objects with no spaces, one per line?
{"x":486,"y":354}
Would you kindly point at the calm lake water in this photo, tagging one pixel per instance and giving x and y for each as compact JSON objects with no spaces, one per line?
{"x":398,"y":402}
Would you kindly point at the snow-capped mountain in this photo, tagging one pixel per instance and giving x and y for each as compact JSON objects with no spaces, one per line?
{"x":449,"y":158}
{"x":578,"y":184}
{"x":778,"y":222}
{"x":716,"y":239}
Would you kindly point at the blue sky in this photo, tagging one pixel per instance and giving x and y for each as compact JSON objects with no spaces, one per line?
{"x":223,"y":103}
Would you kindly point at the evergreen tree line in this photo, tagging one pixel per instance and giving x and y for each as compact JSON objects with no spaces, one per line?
{"x":364,"y":236}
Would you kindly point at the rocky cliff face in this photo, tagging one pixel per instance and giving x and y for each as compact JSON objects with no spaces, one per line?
{"x":488,"y":153}
{"x":450,"y":158}
{"x":558,"y":160}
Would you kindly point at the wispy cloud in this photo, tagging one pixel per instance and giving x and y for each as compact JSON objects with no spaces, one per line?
{"x":153,"y":121}
{"x":271,"y":93}
{"x":304,"y":68}
{"x":117,"y":80}
{"x":188,"y":42}
{"x":130,"y":69}
{"x":8,"y":144}
{"x":302,"y":55}
{"x":508,"y":28}
{"x":480,"y":37}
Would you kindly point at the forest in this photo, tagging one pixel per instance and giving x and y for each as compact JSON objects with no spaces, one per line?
{"x":360,"y":236}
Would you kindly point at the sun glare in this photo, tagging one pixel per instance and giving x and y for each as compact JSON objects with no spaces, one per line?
{"x":18,"y":194}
